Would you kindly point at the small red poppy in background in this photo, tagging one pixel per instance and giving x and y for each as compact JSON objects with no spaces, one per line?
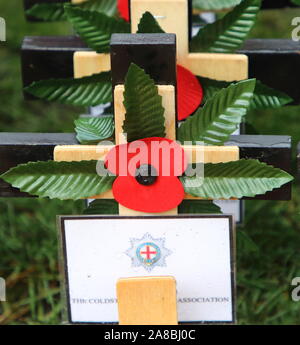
{"x":123,"y":8}
{"x":189,"y":93}
{"x":147,"y":174}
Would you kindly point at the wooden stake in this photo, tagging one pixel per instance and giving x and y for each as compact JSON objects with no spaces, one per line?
{"x":147,"y":301}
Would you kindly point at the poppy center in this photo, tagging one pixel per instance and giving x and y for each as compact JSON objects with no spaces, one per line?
{"x":146,"y":175}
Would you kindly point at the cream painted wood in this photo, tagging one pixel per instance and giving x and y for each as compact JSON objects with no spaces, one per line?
{"x":227,"y":67}
{"x":147,"y":301}
{"x":76,"y":2}
{"x":195,"y":154}
{"x":88,"y":63}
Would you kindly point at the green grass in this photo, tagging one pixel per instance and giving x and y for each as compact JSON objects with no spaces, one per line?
{"x":268,"y":255}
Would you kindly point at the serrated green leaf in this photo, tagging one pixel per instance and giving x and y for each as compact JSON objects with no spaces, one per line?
{"x":199,"y":207}
{"x":211,"y":87}
{"x":47,"y":12}
{"x":228,"y":33}
{"x":95,"y":28}
{"x":59,"y":180}
{"x":144,"y":111}
{"x":56,"y":12}
{"x":86,"y":91}
{"x":102,"y":206}
{"x":149,"y":25}
{"x":264,"y":96}
{"x":108,"y":7}
{"x":214,"y":4}
{"x":220,"y":116}
{"x":243,"y":178}
{"x":91,"y":130}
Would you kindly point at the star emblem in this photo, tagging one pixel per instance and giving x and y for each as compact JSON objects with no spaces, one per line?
{"x":148,"y":252}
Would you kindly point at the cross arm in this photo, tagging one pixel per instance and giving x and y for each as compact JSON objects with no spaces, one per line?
{"x":52,"y":57}
{"x":18,"y":148}
{"x":271,"y":149}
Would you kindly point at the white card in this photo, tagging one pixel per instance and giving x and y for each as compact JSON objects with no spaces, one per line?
{"x":196,"y":250}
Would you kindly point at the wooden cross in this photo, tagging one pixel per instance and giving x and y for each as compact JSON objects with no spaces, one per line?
{"x":149,"y":50}
{"x":137,"y":44}
{"x":173,"y":16}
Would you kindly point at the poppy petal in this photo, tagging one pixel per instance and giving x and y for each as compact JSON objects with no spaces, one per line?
{"x":165,"y":155}
{"x":123,"y":8}
{"x":164,"y":195}
{"x":189,"y":93}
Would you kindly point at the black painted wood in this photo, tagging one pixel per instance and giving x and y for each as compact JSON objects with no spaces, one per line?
{"x":46,"y":57}
{"x":155,"y":53}
{"x":275,"y":62}
{"x":18,"y":148}
{"x":271,"y":149}
{"x":277,"y":4}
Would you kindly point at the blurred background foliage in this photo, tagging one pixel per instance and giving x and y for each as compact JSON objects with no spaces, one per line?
{"x":268,"y":254}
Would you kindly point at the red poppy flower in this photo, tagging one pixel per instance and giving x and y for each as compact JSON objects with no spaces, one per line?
{"x":189,"y":93}
{"x":123,"y":8}
{"x":147,"y":174}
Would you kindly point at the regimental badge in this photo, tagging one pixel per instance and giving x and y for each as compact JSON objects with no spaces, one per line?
{"x":148,"y":252}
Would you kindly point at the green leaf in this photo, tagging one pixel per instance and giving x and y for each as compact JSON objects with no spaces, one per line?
{"x":47,"y":12}
{"x":214,"y":4}
{"x":56,"y":12}
{"x":211,"y":87}
{"x":144,"y":111}
{"x":91,"y":130}
{"x":243,"y":178}
{"x":296,"y":2}
{"x":228,"y":33}
{"x":198,"y":207}
{"x":95,"y":28}
{"x":220,"y":116}
{"x":86,"y":91}
{"x":59,"y":180}
{"x":108,"y":7}
{"x":149,"y":25}
{"x":102,"y":206}
{"x":264,"y":96}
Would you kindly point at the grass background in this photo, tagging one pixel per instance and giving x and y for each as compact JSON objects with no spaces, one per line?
{"x":268,"y":254}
